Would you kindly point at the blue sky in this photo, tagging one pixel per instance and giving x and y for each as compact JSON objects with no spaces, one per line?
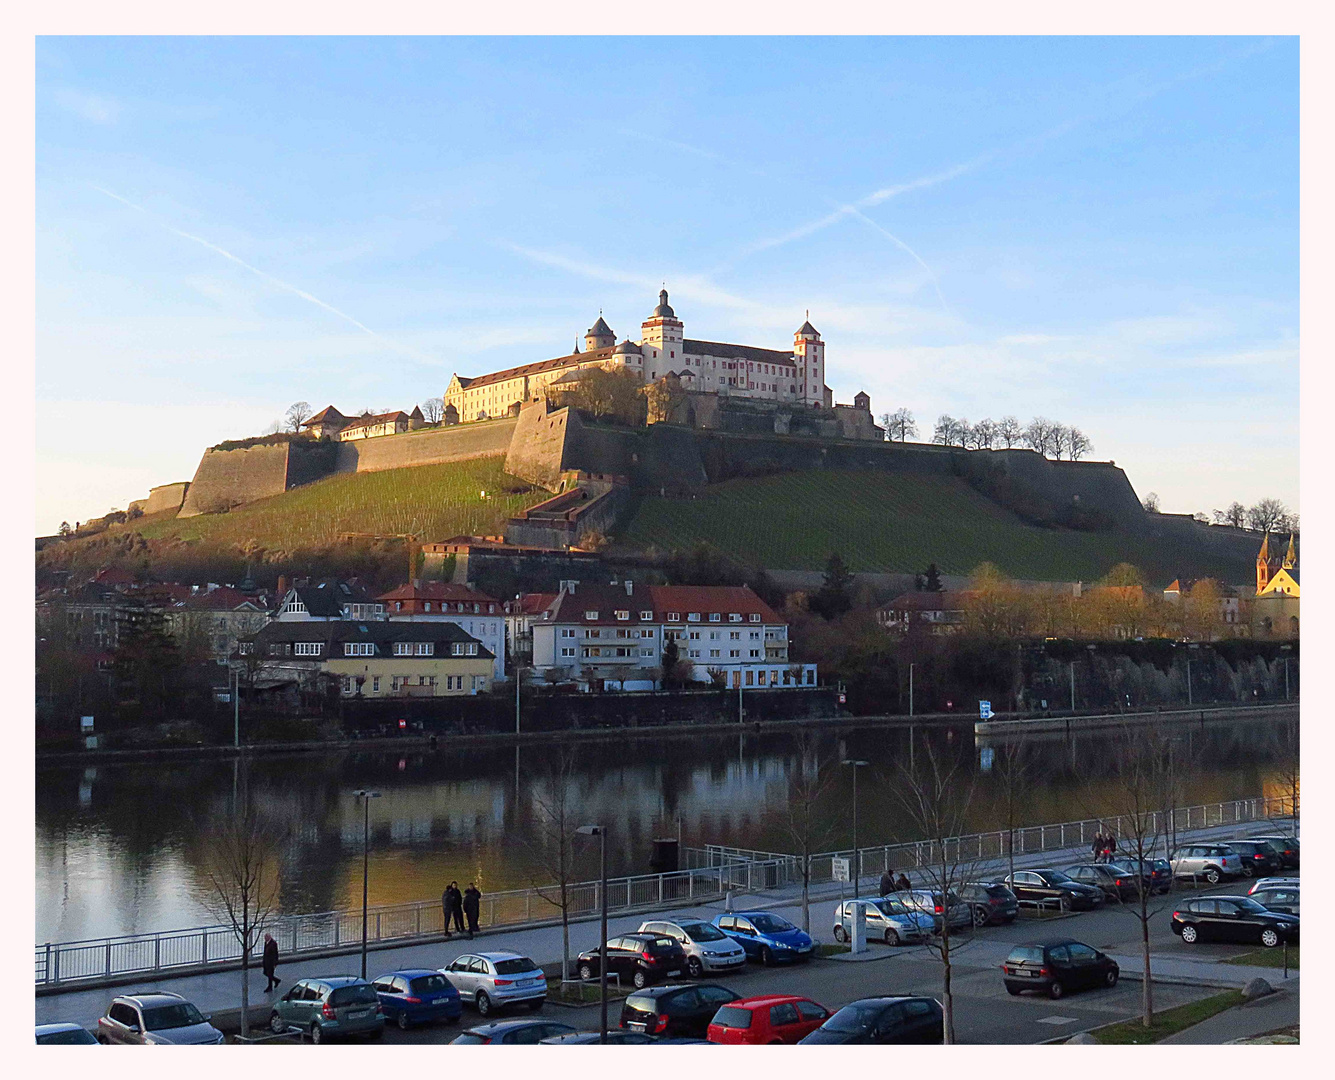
{"x":1099,"y":230}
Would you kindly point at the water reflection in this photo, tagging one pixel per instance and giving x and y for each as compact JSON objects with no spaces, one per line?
{"x":116,"y":845}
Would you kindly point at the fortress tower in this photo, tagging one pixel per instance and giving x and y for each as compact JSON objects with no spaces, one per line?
{"x":661,"y":337}
{"x":599,"y":336}
{"x":809,"y":351}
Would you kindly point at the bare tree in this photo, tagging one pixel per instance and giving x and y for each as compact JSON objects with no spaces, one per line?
{"x":1151,"y":503}
{"x":243,"y":860}
{"x":273,"y":429}
{"x":900,"y":425}
{"x":550,"y":842}
{"x":1011,"y":770}
{"x":944,"y":432}
{"x":935,"y":794}
{"x":1077,"y":444}
{"x":433,"y":408}
{"x":297,"y":414}
{"x":982,"y":435}
{"x":1266,"y":515}
{"x":1060,"y":440}
{"x":1038,"y":435}
{"x":1009,"y":432}
{"x":812,"y":783}
{"x":1235,"y":515}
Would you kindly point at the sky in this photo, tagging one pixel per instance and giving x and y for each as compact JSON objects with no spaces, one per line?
{"x":1101,"y":231}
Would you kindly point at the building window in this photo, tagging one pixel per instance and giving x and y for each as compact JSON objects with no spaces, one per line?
{"x":472,"y":648}
{"x":755,"y":654}
{"x":296,"y":607}
{"x":694,"y":616}
{"x":307,"y":648}
{"x":715,"y":616}
{"x":375,"y":684}
{"x":425,"y":648}
{"x":734,"y":652}
{"x":673,"y":617}
{"x":567,"y":633}
{"x":755,"y":618}
{"x":358,"y":648}
{"x":645,"y":616}
{"x":734,"y":617}
{"x":713,"y":652}
{"x":428,"y":605}
{"x":403,"y":648}
{"x":735,"y":635}
{"x":623,"y":615}
{"x":591,"y":615}
{"x":457,"y":649}
{"x":567,"y":651}
{"x":646,"y":633}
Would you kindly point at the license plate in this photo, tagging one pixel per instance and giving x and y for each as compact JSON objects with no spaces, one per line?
{"x":533,"y":982}
{"x":1029,"y":974}
{"x":360,"y":1014}
{"x":675,"y":971}
{"x":636,"y":1025}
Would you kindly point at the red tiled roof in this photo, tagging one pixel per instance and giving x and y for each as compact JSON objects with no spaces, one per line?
{"x":555,"y":364}
{"x":533,"y":603}
{"x":437,"y":590}
{"x":326,"y":415}
{"x":731,"y":352}
{"x":223,"y":598}
{"x":381,"y":418}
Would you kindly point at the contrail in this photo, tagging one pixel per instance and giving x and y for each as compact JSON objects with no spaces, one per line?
{"x":268,"y":277}
{"x":936,"y":284}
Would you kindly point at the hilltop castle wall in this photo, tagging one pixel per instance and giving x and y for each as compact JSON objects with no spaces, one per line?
{"x":428,"y":446}
{"x":227,"y":478}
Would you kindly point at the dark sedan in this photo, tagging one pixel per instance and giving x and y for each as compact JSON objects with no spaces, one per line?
{"x":638,"y":959}
{"x":670,"y":1011}
{"x":1052,"y":885}
{"x":511,"y":1033}
{"x":1118,"y":882}
{"x":991,"y":902}
{"x":882,"y":1021}
{"x":1233,"y":918}
{"x":1287,"y":846}
{"x":1057,"y":967}
{"x":1259,"y":857}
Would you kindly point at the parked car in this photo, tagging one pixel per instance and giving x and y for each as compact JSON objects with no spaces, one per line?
{"x":930,"y":902}
{"x":766,"y":1021}
{"x":766,"y":937}
{"x":1233,"y":918}
{"x":1272,"y":882}
{"x":638,"y":959}
{"x":1160,"y":872}
{"x":1055,"y":967}
{"x":1283,"y":898}
{"x":883,"y":1020}
{"x":492,"y":980}
{"x":1286,"y":845}
{"x":615,"y":1037}
{"x":330,"y":1007}
{"x":417,"y":996}
{"x":157,"y":1019}
{"x":889,"y":919}
{"x":707,"y":948}
{"x":1048,"y":884}
{"x":990,"y":902}
{"x":65,"y":1035}
{"x":1213,"y":862}
{"x":512,"y":1033}
{"x":1117,"y":881}
{"x":1259,"y":857}
{"x":671,"y":1011}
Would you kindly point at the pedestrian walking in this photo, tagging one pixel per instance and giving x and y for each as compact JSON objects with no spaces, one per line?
{"x":1110,"y":847}
{"x":270,"y":963}
{"x":456,"y":906}
{"x":903,"y":883}
{"x":887,"y":883}
{"x":472,"y":901}
{"x":445,"y":910}
{"x":1096,"y":846}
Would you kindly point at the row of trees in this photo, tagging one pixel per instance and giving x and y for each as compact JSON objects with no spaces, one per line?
{"x":1047,"y":437}
{"x":433,"y":411}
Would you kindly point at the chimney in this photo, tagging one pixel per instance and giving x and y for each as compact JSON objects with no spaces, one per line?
{"x":630,"y":587}
{"x":282,"y":586}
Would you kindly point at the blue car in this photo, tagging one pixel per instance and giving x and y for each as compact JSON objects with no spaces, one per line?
{"x":766,"y":937}
{"x":418,"y":996}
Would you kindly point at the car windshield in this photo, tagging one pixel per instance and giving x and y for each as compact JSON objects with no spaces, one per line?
{"x":703,"y":931}
{"x":771,"y":924}
{"x":1052,"y":876}
{"x":429,"y":984}
{"x":515,"y":966}
{"x":728,"y":1016}
{"x":171,"y":1016}
{"x":75,"y":1035}
{"x":354,"y":995}
{"x":470,"y":1038}
{"x":853,"y":1018}
{"x":1025,"y":952}
{"x":642,"y":1003}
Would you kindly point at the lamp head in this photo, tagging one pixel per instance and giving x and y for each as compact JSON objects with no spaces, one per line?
{"x":591,"y":830}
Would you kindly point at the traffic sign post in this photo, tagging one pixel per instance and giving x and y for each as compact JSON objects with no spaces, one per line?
{"x":985,"y":710}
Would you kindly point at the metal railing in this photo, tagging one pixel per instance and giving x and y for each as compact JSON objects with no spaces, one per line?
{"x":109,"y":958}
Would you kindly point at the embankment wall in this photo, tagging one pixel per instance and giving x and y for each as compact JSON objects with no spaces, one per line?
{"x":166,"y":497}
{"x":429,"y":446}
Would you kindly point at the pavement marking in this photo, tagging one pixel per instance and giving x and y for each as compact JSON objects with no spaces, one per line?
{"x":1057,"y":1020}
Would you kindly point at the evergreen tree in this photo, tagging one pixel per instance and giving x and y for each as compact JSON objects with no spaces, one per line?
{"x":932,"y":579}
{"x":836,"y":593}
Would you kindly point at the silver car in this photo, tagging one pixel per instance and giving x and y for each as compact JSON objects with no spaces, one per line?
{"x":493,"y":980}
{"x":929,"y":903}
{"x":889,"y":919}
{"x":707,"y":947}
{"x":1274,"y":882}
{"x":157,"y":1019}
{"x":1213,"y":862}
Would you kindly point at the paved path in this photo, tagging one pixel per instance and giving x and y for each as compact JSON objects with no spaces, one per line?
{"x":217,"y":991}
{"x":1255,"y":1018}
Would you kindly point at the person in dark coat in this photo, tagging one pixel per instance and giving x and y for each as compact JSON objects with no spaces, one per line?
{"x":445,"y":909}
{"x":887,"y":883}
{"x":456,"y":906}
{"x":472,"y":901}
{"x":270,"y":963}
{"x":1096,"y":846}
{"x":904,"y":885}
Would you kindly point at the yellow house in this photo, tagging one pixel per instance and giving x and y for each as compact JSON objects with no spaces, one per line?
{"x":1274,"y":610}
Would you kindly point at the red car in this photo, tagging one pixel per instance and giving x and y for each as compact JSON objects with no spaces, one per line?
{"x":773,"y":1018}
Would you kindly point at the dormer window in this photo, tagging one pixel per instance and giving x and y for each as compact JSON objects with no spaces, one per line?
{"x":694,"y":616}
{"x":674,"y":616}
{"x":714,"y":616}
{"x":428,"y":605}
{"x":592,"y":616}
{"x":734,"y":617}
{"x":755,"y":618}
{"x":646,"y":616}
{"x":622,"y":616}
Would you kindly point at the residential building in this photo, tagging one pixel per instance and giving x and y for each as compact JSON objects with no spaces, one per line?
{"x":220,"y":615}
{"x":325,"y":601}
{"x":327,"y":423}
{"x":373,"y":660}
{"x":940,"y":612}
{"x":614,"y":636}
{"x":391,"y":423}
{"x":479,"y":615}
{"x":520,"y":614}
{"x":1229,"y":600}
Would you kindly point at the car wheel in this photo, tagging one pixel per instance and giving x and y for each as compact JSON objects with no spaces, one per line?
{"x":766,"y":957}
{"x":694,"y":967}
{"x":276,"y":1024}
{"x":1110,"y":979}
{"x":403,"y":1020}
{"x":483,"y":1003}
{"x":1189,"y":935}
{"x":585,"y":972}
{"x":980,"y":916}
{"x":1212,"y":876}
{"x":640,"y":979}
{"x":317,"y":1035}
{"x":1056,"y":990}
{"x":1246,"y":870}
{"x":1269,"y":938}
{"x":839,"y":934}
{"x":891,"y":938}
{"x":103,"y":1040}
{"x":1014,"y":991}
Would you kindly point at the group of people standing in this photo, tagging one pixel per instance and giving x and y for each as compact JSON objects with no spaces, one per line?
{"x":890,"y":884}
{"x":457,"y":906}
{"x":1103,"y":847}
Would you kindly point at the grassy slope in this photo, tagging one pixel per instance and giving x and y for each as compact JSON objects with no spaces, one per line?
{"x":433,"y":501}
{"x":878,"y":521}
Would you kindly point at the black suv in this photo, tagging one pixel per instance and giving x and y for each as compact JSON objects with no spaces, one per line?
{"x":672,"y":1011}
{"x":1233,"y":918}
{"x":1057,"y":967}
{"x":639,"y":959}
{"x":1259,"y":857}
{"x":1053,"y":885}
{"x":990,"y":901}
{"x":1287,"y":846}
{"x":883,"y":1020}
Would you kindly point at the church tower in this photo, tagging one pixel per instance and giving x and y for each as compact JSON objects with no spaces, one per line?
{"x":1263,"y":565}
{"x":809,"y":351}
{"x":661,"y":336}
{"x":1290,"y":557}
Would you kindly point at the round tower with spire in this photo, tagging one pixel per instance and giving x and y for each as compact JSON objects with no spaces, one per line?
{"x":599,"y":336}
{"x":662,"y":338}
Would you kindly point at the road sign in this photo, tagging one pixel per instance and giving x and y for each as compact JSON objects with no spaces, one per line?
{"x":985,"y":710}
{"x":839,"y":869}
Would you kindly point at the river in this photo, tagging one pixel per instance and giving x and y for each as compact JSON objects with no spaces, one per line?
{"x":118,"y":844}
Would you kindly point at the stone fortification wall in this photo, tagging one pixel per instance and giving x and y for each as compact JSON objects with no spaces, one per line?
{"x":227,"y":478}
{"x":537,"y":450}
{"x":166,"y":497}
{"x":429,"y":446}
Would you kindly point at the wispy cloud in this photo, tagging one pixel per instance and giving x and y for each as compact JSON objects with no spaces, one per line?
{"x":936,"y":284}
{"x":95,"y":108}
{"x":276,"y":282}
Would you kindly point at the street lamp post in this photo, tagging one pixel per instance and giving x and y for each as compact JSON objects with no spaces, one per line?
{"x":857,"y":861}
{"x":236,"y":711}
{"x":600,"y":831}
{"x":366,"y":797}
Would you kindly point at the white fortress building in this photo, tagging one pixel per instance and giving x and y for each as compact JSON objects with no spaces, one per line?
{"x":795,"y":376}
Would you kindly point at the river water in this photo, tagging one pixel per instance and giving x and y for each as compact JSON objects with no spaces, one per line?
{"x":118,"y":846}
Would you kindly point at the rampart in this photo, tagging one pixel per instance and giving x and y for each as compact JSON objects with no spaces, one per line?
{"x":429,"y":446}
{"x":227,"y":478}
{"x":166,"y":497}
